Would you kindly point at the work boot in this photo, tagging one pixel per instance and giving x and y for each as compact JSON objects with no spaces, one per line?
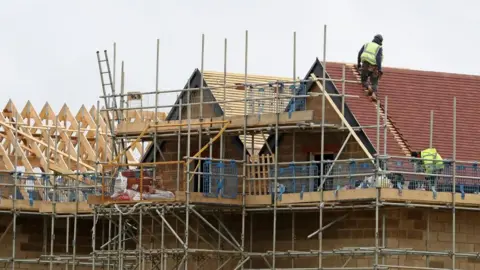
{"x":368,"y":91}
{"x":374,"y":96}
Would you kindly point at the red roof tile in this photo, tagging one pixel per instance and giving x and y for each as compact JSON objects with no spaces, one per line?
{"x":412,"y":94}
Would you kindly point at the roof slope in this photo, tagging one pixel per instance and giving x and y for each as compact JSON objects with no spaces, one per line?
{"x":365,"y":111}
{"x":216,"y":82}
{"x":412,"y":94}
{"x":230,"y":87}
{"x":359,"y":111}
{"x":233,"y":83}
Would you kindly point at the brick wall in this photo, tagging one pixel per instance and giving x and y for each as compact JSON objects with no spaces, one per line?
{"x":306,"y":142}
{"x":30,"y":240}
{"x":170,"y":153}
{"x":404,"y":228}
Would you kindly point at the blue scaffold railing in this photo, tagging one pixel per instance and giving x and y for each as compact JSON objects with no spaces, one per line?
{"x":220,"y":179}
{"x":347,"y":174}
{"x":297,"y":103}
{"x":302,"y":178}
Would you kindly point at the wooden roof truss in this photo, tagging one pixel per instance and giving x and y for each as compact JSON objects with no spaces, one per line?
{"x":60,"y":143}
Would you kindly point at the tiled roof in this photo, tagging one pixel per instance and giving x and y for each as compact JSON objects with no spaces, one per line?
{"x":412,"y":94}
{"x":215,"y":82}
{"x":365,"y":111}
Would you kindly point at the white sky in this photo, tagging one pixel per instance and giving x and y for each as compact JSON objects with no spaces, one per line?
{"x":47,"y":48}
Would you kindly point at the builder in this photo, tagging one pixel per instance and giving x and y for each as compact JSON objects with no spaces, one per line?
{"x":432,"y":164}
{"x":369,"y":64}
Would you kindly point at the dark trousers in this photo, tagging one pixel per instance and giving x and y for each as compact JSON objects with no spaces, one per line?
{"x":433,"y":179}
{"x":370,"y":71}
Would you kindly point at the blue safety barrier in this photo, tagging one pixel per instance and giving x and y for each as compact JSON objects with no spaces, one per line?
{"x":297,"y":103}
{"x":295,"y":184}
{"x":220,"y":179}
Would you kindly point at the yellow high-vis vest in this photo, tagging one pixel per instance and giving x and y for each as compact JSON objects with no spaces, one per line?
{"x":370,"y":51}
{"x":431,"y":160}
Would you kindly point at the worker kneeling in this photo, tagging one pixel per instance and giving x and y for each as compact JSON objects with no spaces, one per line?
{"x":431,"y":163}
{"x":369,"y":63}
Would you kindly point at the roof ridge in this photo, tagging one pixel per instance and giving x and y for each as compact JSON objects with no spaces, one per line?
{"x":402,"y":142}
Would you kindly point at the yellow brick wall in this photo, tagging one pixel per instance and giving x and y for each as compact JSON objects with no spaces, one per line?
{"x":404,"y":228}
{"x":29,"y":242}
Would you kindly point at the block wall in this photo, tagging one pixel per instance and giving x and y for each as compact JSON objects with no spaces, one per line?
{"x":417,"y":229}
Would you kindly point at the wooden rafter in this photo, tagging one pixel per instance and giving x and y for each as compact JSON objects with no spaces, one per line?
{"x":48,"y":141}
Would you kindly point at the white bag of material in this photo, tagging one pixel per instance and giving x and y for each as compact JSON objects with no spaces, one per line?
{"x":384,"y":182}
{"x":164,"y":193}
{"x":160,"y":194}
{"x":132,"y":194}
{"x":120,"y":183}
{"x":369,"y":181}
{"x":115,"y":195}
{"x":136,"y":197}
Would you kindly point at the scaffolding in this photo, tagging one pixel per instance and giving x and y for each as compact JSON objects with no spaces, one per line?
{"x":197,"y":202}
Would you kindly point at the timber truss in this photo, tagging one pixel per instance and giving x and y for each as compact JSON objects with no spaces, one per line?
{"x":60,"y":143}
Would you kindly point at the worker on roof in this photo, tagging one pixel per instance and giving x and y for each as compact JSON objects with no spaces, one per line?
{"x":432,"y":162}
{"x":369,"y":63}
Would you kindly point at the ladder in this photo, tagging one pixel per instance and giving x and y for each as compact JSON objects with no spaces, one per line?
{"x":398,"y":136}
{"x":107,"y":84}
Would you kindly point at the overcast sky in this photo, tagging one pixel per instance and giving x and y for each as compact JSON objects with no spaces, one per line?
{"x":47,"y":48}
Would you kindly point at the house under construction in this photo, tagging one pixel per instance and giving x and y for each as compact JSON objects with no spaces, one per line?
{"x":246,"y":172}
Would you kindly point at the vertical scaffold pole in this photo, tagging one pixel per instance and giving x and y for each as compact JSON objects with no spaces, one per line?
{"x":244,"y":165}
{"x":277,"y":116}
{"x":97,"y":149}
{"x":94,"y":232}
{"x":109,"y":237}
{"x":293,"y":136}
{"x":378,"y":174}
{"x":114,"y":65}
{"x":427,"y":261}
{"x":187,"y":189}
{"x":454,"y":186}
{"x":157,"y":75}
{"x":222,"y":139}
{"x":431,"y":130}
{"x":201,"y":79}
{"x":385,"y":162}
{"x":179,"y":139}
{"x":14,"y":205}
{"x":343,"y":92}
{"x":141,"y":261}
{"x":120,"y":241}
{"x":322,"y":149}
{"x":163,"y":257}
{"x":77,"y":194}
{"x":275,"y":184}
{"x":45,"y":177}
{"x":54,"y":195}
{"x":385,"y":129}
{"x":200,"y":128}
